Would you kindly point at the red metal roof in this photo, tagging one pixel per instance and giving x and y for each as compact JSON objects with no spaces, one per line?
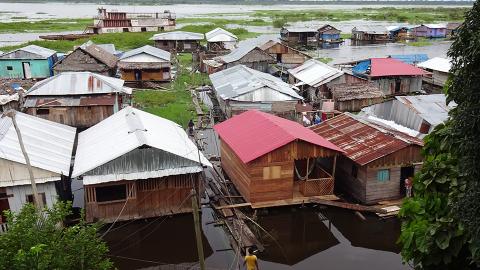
{"x":253,"y":134}
{"x":392,"y":67}
{"x":362,"y":141}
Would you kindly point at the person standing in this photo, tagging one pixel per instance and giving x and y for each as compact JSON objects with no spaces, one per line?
{"x":408,"y":187}
{"x":251,"y":260}
{"x":191,"y":125}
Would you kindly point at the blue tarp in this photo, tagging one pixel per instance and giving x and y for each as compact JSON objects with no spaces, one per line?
{"x":361,"y":67}
{"x":411,"y":58}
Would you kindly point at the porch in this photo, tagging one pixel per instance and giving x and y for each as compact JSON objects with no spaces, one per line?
{"x":311,"y":179}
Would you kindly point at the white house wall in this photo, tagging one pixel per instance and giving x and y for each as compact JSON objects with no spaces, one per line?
{"x":20,"y":193}
{"x":14,"y":173}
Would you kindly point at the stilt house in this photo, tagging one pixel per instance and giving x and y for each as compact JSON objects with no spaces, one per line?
{"x":178,"y":41}
{"x":370,"y":34}
{"x":49,"y":146}
{"x":286,"y":56}
{"x":376,"y":160}
{"x":438,"y":71}
{"x":269,"y":158}
{"x":328,"y":33}
{"x":90,"y":58}
{"x":249,"y":56}
{"x":137,"y":165}
{"x":302,"y":36}
{"x":79,"y":99}
{"x":430,"y":30}
{"x":146,"y":63}
{"x":28,"y":62}
{"x":220,"y":40}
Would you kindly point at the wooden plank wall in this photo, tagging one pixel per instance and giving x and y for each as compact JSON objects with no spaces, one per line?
{"x":80,"y":117}
{"x":237,"y":170}
{"x":147,"y":75}
{"x":345,"y":182}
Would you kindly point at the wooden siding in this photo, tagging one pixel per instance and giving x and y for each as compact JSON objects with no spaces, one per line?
{"x":356,"y":105}
{"x":287,"y":54}
{"x":80,"y":117}
{"x":81,"y":61}
{"x":178,"y":46}
{"x":146,"y":75}
{"x":407,"y":84}
{"x":146,"y":198}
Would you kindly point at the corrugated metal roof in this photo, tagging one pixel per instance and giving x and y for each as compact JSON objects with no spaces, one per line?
{"x":436,"y":26}
{"x":438,"y":64}
{"x":77,"y":83}
{"x":150,"y":50}
{"x":300,"y":29}
{"x":410,"y":58}
{"x":48,"y":144}
{"x":237,"y":53}
{"x":391,"y":67}
{"x":178,"y":35}
{"x":240,"y":80}
{"x":71,"y":101}
{"x":253,"y":134}
{"x":315,"y":73}
{"x":220,"y":35}
{"x":363,"y":141}
{"x":44,"y":52}
{"x":432,"y":108}
{"x":372,"y":29}
{"x":126,"y":131}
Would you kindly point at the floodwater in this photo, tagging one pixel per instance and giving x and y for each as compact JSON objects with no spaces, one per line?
{"x":295,"y":238}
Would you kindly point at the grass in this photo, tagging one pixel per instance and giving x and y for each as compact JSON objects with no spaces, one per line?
{"x":325,"y":60}
{"x":222,"y":21}
{"x":410,"y":15}
{"x":176,"y":103}
{"x":44,"y":25}
{"x":345,"y":35}
{"x":421,"y":42}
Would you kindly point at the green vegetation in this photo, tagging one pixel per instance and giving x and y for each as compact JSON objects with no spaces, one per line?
{"x":325,"y":60}
{"x":36,"y":240}
{"x":345,"y":35}
{"x":441,"y":224}
{"x":223,"y":22}
{"x":420,"y":42}
{"x":44,"y":25}
{"x":410,"y":15}
{"x":176,"y":103}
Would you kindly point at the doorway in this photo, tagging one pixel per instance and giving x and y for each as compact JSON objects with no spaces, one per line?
{"x":405,"y":172}
{"x":138,"y":74}
{"x":27,"y":72}
{"x":4,"y":205}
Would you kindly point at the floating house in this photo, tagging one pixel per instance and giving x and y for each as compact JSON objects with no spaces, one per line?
{"x":392,"y":76}
{"x":92,"y":58}
{"x":376,"y":159}
{"x":267,"y":168}
{"x":452,"y":29}
{"x":146,"y":63}
{"x":354,"y":97}
{"x":121,"y":21}
{"x":438,"y":71}
{"x":370,"y":33}
{"x":302,"y":36}
{"x":49,"y":146}
{"x":79,"y":99}
{"x":328,"y":33}
{"x":241,"y":88}
{"x":178,"y":41}
{"x":249,"y":56}
{"x":412,"y":59}
{"x":313,"y":78}
{"x":421,"y":113}
{"x":430,"y":30}
{"x":137,"y":165}
{"x":287,"y":56}
{"x":398,"y":33}
{"x":28,"y":62}
{"x":220,"y":40}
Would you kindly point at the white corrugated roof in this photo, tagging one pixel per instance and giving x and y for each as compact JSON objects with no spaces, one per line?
{"x":220,"y":35}
{"x":236,"y":54}
{"x":48,"y":144}
{"x":78,"y":83}
{"x":124,"y":132}
{"x":437,"y":63}
{"x":315,"y":73}
{"x":433,"y":108}
{"x":150,"y":50}
{"x":240,"y":80}
{"x":300,"y":29}
{"x":178,"y":35}
{"x":41,"y":51}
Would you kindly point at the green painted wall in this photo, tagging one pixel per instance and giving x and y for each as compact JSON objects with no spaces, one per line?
{"x":39,"y":68}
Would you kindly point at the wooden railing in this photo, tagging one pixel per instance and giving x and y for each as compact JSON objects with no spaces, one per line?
{"x":317,"y":187}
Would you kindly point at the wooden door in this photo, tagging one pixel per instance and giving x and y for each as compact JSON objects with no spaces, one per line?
{"x":27,"y":72}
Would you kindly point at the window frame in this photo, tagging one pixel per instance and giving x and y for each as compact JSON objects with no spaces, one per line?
{"x":383,"y":175}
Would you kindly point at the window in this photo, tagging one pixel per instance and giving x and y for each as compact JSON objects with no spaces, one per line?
{"x":354,"y":171}
{"x":43,"y":111}
{"x":383,"y":175}
{"x":165,"y":43}
{"x":272,"y":172}
{"x":31,"y":199}
{"x":9,"y":68}
{"x":111,"y":193}
{"x":143,"y":29}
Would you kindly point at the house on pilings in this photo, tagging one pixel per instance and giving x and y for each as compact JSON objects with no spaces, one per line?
{"x":145,"y":64}
{"x":178,"y":41}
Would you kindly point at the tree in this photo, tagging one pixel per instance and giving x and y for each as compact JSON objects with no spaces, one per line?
{"x":37,"y":240}
{"x":440,"y":224}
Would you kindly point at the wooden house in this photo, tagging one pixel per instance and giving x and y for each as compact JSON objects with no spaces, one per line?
{"x":249,"y":56}
{"x":421,"y":113}
{"x":370,"y":33}
{"x":240,"y":88}
{"x":392,"y":76}
{"x":313,"y":78}
{"x":137,"y":165}
{"x":430,"y":30}
{"x":438,"y":71}
{"x":329,"y":34}
{"x":178,"y":41}
{"x":49,"y":146}
{"x":146,"y":63}
{"x":376,"y":161}
{"x":28,"y":62}
{"x":269,"y":158}
{"x":452,"y":29}
{"x":90,"y":58}
{"x":220,"y":40}
{"x":399,"y":33}
{"x":299,"y":36}
{"x":79,"y":99}
{"x":286,"y":56}
{"x":354,"y":97}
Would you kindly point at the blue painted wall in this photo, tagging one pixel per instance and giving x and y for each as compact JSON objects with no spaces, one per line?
{"x":330,"y":36}
{"x":39,"y":68}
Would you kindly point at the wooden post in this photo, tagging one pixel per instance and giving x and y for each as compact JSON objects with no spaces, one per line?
{"x":334,"y":166}
{"x":38,"y":201}
{"x":198,"y":229}
{"x":308,"y":168}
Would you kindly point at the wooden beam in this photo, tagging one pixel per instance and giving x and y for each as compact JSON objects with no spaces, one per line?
{"x":351,"y":206}
{"x":233,"y":206}
{"x":334,"y":166}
